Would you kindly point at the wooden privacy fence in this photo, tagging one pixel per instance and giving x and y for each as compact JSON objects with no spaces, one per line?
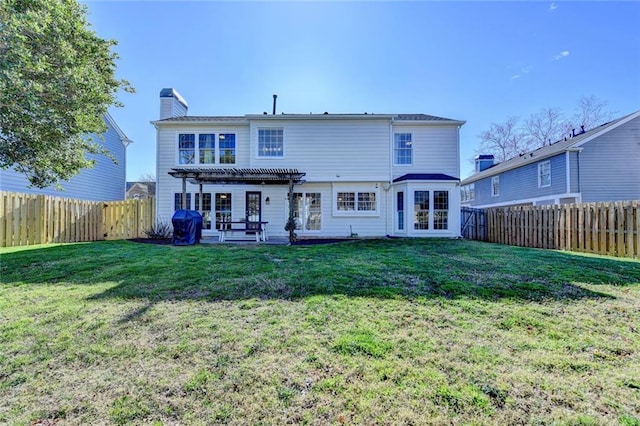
{"x":611,"y":228}
{"x":28,"y":219}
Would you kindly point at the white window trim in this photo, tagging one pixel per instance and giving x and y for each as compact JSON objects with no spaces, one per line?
{"x":261,"y":157}
{"x":395,"y":164}
{"x":540,"y":166}
{"x":431,"y":230}
{"x":356,"y":212}
{"x":493,"y":192}
{"x":216,"y":151}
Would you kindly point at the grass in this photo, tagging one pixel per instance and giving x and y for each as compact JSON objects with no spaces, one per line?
{"x":367,"y":332}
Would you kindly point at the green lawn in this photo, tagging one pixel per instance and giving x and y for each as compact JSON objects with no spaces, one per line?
{"x":366,"y":332}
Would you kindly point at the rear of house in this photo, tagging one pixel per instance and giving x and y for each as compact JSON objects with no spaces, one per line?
{"x":364,"y":174}
{"x":106,"y":181}
{"x":601,"y":164}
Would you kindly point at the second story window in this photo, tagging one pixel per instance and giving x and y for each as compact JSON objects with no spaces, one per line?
{"x":187,"y":148}
{"x":270,"y":143}
{"x":402,"y":149}
{"x":468,"y":192}
{"x":207,"y":146}
{"x":227,"y":147}
{"x":495,"y":186}
{"x":201,"y":148}
{"x":544,"y":174}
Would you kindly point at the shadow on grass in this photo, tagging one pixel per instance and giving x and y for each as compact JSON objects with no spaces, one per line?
{"x":398,"y":268}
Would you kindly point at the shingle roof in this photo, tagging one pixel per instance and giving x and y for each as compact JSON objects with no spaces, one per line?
{"x":549,"y":150}
{"x":244,"y":118}
{"x":425,"y":176}
{"x":421,"y":117}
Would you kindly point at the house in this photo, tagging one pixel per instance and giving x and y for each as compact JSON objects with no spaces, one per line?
{"x":104,"y":182}
{"x":366,"y":174}
{"x":140,"y":190}
{"x":601,"y":164}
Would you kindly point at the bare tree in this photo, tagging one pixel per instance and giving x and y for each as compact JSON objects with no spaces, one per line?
{"x":591,"y":112}
{"x":504,"y":140}
{"x":544,"y":127}
{"x":147,"y":177}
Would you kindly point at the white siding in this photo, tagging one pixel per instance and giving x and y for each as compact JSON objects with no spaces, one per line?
{"x":338,"y":150}
{"x":435,"y":150}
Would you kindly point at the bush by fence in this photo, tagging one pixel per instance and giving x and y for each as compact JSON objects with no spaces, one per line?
{"x":611,"y":228}
{"x":27,"y":219}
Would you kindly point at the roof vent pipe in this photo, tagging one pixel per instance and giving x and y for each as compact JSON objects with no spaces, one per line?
{"x":274,"y":104}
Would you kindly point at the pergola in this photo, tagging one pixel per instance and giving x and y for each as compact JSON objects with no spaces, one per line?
{"x":258,"y":176}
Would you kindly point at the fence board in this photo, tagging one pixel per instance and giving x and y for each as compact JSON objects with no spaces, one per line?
{"x":605,"y":228}
{"x":27,"y":219}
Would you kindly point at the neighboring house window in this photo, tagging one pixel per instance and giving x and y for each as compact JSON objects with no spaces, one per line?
{"x":205,"y":210}
{"x":186,"y":148}
{"x":270,"y":143}
{"x":402,"y":148}
{"x":356,"y":201}
{"x":400,"y":210}
{"x":440,"y":209}
{"x":495,"y":186}
{"x":544,"y":174}
{"x":468,"y":192}
{"x":223,"y":209}
{"x":227,"y":147}
{"x":177,"y":201}
{"x":207,"y":147}
{"x":421,"y":209}
{"x":307,"y":211}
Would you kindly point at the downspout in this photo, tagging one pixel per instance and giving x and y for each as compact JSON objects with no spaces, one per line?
{"x":390,"y":210}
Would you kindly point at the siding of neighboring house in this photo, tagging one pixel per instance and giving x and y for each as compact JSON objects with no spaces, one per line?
{"x":522,"y":183}
{"x":574,"y":170}
{"x":435,"y":150}
{"x":106,"y":181}
{"x":610,"y":165}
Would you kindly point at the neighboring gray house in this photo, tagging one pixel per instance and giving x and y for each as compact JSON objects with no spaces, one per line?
{"x":601,"y":164}
{"x":106,"y":181}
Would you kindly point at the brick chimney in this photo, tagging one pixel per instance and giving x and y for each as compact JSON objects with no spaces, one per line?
{"x":172,"y":104}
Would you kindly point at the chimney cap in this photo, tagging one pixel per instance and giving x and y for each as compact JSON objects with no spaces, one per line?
{"x":173,"y":93}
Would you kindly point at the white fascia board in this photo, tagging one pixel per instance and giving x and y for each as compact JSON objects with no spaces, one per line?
{"x":125,"y":140}
{"x":285,"y":117}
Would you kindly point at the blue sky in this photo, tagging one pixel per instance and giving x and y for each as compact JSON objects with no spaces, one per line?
{"x":474,"y":61}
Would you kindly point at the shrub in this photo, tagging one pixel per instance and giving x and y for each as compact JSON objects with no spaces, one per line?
{"x":160,"y":230}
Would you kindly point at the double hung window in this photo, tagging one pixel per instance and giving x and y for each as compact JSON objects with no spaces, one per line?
{"x":544,"y":174}
{"x":421,"y":210}
{"x":270,"y":143}
{"x":177,"y":201}
{"x":495,"y":186}
{"x":186,"y":148}
{"x":402,"y":149}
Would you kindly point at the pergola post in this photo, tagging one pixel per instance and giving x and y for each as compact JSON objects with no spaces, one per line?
{"x":183,"y":203}
{"x":291,"y":224}
{"x":200,"y":200}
